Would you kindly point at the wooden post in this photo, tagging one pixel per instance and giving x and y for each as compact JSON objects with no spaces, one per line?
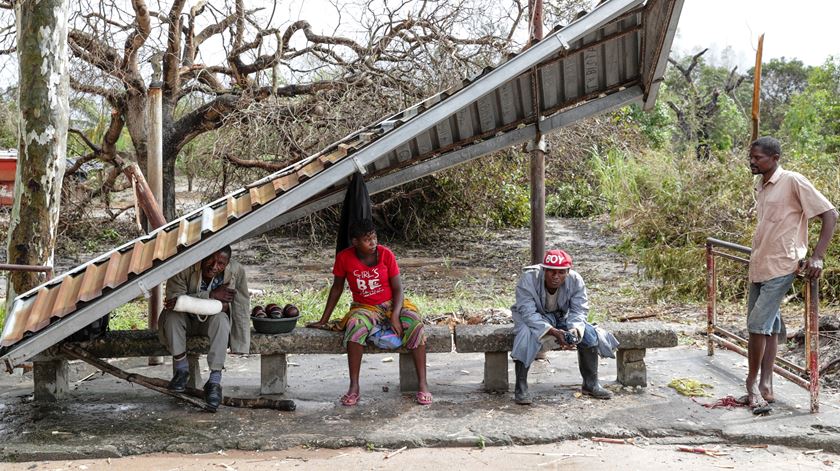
{"x":756,"y":104}
{"x":155,"y":169}
{"x":145,"y":198}
{"x":537,"y":147}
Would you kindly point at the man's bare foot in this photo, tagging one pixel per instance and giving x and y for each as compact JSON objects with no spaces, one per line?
{"x":767,"y":394}
{"x":753,"y":398}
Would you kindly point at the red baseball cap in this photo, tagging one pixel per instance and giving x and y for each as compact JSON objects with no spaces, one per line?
{"x":556,"y":259}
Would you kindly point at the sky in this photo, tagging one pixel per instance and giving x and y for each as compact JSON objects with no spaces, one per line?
{"x":802,"y":29}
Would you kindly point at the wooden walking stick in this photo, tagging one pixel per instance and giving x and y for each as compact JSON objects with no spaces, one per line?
{"x":193,"y":396}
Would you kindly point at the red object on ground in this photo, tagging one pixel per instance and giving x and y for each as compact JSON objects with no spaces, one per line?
{"x":8,"y":167}
{"x":729,"y":402}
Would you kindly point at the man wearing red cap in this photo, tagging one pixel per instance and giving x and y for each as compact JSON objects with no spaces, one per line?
{"x":551,"y":309}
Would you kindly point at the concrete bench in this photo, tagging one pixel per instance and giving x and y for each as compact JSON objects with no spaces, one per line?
{"x":496,"y":342}
{"x":50,"y":369}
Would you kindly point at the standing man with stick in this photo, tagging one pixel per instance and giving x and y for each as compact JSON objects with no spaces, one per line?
{"x":785,"y":202}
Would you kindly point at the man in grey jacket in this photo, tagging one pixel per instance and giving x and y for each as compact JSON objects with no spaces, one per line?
{"x":209,"y":298}
{"x":550,"y":311}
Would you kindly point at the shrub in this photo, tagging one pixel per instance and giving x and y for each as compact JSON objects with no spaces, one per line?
{"x":668,"y":204}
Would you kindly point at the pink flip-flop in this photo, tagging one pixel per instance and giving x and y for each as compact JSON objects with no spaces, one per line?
{"x":350,"y":399}
{"x":423,"y":398}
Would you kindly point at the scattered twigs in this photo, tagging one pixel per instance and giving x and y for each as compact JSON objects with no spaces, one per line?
{"x":81,"y":354}
{"x":640,"y":316}
{"x":830,"y":364}
{"x":702,"y":451}
{"x":395,"y":453}
{"x":617,"y":441}
{"x":542,"y":453}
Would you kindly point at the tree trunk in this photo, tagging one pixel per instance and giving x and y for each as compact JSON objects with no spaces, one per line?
{"x":170,"y":156}
{"x":44,"y":111}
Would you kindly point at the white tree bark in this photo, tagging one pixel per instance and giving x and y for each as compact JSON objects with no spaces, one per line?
{"x":42,"y":145}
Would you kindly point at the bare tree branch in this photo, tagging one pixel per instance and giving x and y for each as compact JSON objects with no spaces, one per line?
{"x":95,"y":148}
{"x":138,"y":36}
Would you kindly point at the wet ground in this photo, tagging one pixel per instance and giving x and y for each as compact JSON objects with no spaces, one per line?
{"x":105,"y":417}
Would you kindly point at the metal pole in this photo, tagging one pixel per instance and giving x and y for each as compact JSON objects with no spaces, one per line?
{"x":537,"y":147}
{"x":807,"y":291}
{"x":155,"y":169}
{"x":813,"y":342}
{"x":711,"y":294}
{"x":31,"y":268}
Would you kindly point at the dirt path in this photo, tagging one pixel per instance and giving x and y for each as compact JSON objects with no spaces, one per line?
{"x":581,"y":455}
{"x":481,"y":263}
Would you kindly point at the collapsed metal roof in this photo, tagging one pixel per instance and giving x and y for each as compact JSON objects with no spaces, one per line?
{"x":611,"y":57}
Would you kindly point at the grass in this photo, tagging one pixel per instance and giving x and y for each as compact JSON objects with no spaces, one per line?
{"x":130,"y":316}
{"x":311,"y":302}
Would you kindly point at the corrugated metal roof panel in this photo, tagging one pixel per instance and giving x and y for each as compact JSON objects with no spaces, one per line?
{"x":594,"y":57}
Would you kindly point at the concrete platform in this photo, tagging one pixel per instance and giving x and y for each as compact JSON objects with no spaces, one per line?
{"x":106,"y":417}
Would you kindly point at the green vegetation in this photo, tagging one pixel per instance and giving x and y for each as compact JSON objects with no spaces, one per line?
{"x":130,"y":316}
{"x":666,"y":198}
{"x":311,"y":302}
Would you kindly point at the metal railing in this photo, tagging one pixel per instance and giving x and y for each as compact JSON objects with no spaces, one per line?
{"x":807,"y":377}
{"x":30,"y":268}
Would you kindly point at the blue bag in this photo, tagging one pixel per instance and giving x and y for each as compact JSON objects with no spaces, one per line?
{"x":384,"y":337}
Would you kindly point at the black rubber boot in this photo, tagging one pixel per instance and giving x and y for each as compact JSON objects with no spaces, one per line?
{"x":588,"y":364}
{"x":520,"y":393}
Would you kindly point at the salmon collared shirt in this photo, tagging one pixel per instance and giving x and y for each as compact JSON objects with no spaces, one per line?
{"x":784,"y":204}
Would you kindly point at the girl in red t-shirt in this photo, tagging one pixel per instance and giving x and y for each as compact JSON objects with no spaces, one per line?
{"x":373,"y":276}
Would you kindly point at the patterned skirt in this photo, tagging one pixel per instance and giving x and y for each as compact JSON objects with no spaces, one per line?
{"x":363,"y":317}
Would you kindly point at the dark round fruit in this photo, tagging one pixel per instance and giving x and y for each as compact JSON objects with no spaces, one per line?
{"x":290,"y":311}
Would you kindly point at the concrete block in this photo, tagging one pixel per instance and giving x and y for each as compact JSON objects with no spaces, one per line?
{"x":313,"y":341}
{"x":483,"y":338}
{"x":136,"y":343}
{"x":408,"y":373}
{"x":51,"y":379}
{"x":195,"y":371}
{"x":631,"y":354}
{"x":496,"y":372}
{"x":630,"y":373}
{"x":635,"y":335}
{"x":498,"y":338}
{"x":273,"y":374}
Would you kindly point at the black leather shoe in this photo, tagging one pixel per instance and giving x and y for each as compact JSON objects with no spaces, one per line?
{"x":213,"y":395}
{"x":178,"y":383}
